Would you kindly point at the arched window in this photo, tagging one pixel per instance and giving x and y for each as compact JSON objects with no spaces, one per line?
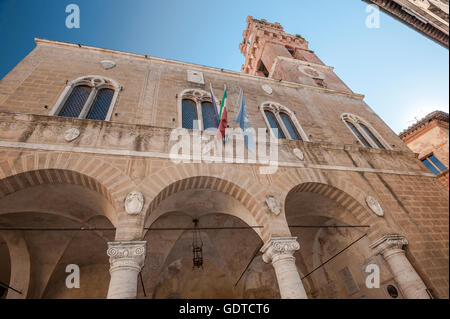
{"x":91,"y":97}
{"x":364,"y":132}
{"x":195,"y":106}
{"x":357,"y":133}
{"x":76,"y":101}
{"x":372,"y":137}
{"x":100,"y":107}
{"x":189,"y":114}
{"x":282,"y":122}
{"x":290,"y":126}
{"x":209,"y":116}
{"x":274,"y":125}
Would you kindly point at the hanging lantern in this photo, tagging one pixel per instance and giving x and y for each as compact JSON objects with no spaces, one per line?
{"x":197,"y":245}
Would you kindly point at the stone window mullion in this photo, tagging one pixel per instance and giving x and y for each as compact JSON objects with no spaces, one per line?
{"x":88,"y":104}
{"x":281,"y":124}
{"x":366,"y":136}
{"x":198,"y":102}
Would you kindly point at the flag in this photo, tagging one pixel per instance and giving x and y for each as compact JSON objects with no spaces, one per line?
{"x":223,"y":116}
{"x":244,"y":123}
{"x":224,"y":103}
{"x":213,"y":100}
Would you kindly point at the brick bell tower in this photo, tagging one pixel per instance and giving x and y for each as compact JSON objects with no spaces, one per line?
{"x":273,"y":53}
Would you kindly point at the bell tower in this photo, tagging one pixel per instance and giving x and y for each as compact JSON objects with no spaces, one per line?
{"x":273,"y":53}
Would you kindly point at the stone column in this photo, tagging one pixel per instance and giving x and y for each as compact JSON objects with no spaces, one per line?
{"x":279,"y":251}
{"x":126,"y":259}
{"x":391,"y":248}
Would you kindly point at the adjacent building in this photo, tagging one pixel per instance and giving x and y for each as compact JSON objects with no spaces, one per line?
{"x":429,"y":138}
{"x":429,"y":17}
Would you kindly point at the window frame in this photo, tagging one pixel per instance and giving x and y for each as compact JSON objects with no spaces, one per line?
{"x":276,"y":109}
{"x":198,"y":97}
{"x":356,"y":121}
{"x":96,"y":82}
{"x":427,"y":157}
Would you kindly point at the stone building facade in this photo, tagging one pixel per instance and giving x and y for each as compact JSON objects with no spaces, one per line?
{"x":429,"y":17}
{"x":88,"y":177}
{"x":429,"y":138}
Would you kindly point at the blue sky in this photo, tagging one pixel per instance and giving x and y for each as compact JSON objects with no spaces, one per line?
{"x":403,"y":74}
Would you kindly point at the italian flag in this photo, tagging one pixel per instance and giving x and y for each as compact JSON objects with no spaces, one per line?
{"x":223,"y":116}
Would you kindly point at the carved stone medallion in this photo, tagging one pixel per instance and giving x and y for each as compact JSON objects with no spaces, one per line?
{"x":310,"y":72}
{"x":274,"y":205}
{"x":267,"y":88}
{"x":108,"y":64}
{"x":375,"y":206}
{"x":134,"y":203}
{"x":71,"y":134}
{"x":299,"y":154}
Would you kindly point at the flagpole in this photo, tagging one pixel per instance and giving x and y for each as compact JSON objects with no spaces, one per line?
{"x":213,"y":100}
{"x":239,"y":102}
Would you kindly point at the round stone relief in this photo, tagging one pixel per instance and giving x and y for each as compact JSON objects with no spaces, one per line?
{"x":267,"y":88}
{"x":71,"y":134}
{"x":374,"y":205}
{"x":134,"y":203}
{"x":310,"y":72}
{"x":108,"y":64}
{"x":299,"y":154}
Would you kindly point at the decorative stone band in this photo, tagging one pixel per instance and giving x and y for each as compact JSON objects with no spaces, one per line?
{"x":389,"y":244}
{"x":128,"y":254}
{"x":279,"y":247}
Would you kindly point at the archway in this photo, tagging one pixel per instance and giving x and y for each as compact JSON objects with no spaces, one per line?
{"x":334,"y":253}
{"x":5,"y":268}
{"x":231,"y":265}
{"x":47,"y":218}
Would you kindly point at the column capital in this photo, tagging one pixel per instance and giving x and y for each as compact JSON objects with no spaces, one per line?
{"x":126,"y":254}
{"x":277,"y":247}
{"x":389,"y":243}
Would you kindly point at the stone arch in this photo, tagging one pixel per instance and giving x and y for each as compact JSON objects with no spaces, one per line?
{"x":37,"y":197}
{"x":239,"y":182}
{"x":15,"y":183}
{"x":171,"y":207}
{"x":91,"y":172}
{"x":337,"y":195}
{"x":327,"y":203}
{"x":339,"y":186}
{"x":19,"y":264}
{"x":227,"y":187}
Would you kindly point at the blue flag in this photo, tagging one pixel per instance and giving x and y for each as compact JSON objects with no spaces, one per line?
{"x":213,"y":100}
{"x":244,"y":123}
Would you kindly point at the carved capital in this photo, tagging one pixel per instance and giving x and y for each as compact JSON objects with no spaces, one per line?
{"x":126,"y":254}
{"x":279,"y":247}
{"x":389,"y":244}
